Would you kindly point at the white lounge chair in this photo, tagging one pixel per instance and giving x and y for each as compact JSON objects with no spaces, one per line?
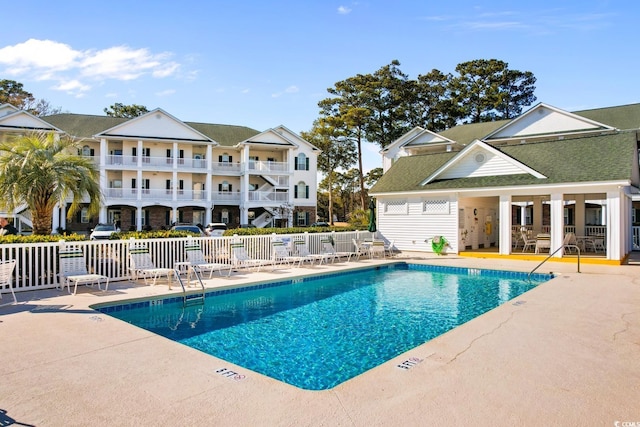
{"x":240,"y":258}
{"x":330,"y":251}
{"x":301,"y":249}
{"x":142,"y":266}
{"x":6,"y":279}
{"x":280,"y":255}
{"x":197,"y":261}
{"x":73,"y":269}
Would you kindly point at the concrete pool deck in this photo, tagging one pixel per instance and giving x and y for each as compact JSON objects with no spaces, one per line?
{"x":564,"y":353}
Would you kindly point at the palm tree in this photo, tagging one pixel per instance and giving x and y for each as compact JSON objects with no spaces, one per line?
{"x":43,"y":169}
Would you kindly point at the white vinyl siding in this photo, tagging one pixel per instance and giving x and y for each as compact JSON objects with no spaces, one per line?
{"x":413,"y":230}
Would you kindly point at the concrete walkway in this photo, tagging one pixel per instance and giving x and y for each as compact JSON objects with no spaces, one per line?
{"x":566,"y":353}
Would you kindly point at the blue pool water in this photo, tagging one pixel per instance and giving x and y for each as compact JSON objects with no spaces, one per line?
{"x":316,"y":333}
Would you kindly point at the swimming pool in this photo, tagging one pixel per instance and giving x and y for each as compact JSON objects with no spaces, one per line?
{"x":317,"y":332}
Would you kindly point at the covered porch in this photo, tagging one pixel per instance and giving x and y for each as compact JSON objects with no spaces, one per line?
{"x":525,"y":225}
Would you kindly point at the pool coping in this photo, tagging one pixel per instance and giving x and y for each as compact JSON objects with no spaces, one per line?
{"x":536,"y":362}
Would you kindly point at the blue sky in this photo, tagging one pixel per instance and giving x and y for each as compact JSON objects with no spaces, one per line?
{"x":265,"y":63}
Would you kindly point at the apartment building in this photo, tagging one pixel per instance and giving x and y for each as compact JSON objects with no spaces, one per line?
{"x":156,"y":170}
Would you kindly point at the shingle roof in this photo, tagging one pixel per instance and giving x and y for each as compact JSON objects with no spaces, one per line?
{"x":621,"y":117}
{"x":85,"y":126}
{"x":589,"y":159}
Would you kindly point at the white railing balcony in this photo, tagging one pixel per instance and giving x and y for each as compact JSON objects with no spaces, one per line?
{"x":226,"y":196}
{"x":156,"y":162}
{"x":226,"y":167}
{"x":268,"y":196}
{"x":267,"y":167}
{"x":121,"y":160}
{"x":282,"y":181}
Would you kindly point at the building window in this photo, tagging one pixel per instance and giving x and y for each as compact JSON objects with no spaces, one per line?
{"x":301,"y":191}
{"x":224,"y":216}
{"x":302,"y":162}
{"x":432,"y":207}
{"x":395,"y":207}
{"x":302,"y":218}
{"x":84,"y":216}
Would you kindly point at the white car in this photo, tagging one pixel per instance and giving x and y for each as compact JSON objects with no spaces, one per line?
{"x":102,"y":232}
{"x":216,"y":229}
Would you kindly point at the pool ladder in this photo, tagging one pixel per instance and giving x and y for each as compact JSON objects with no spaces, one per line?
{"x":193,"y":297}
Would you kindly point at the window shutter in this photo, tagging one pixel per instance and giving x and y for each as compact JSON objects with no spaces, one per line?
{"x":307,"y":164}
{"x":230,"y":187}
{"x":306,"y":194}
{"x":168,"y":184}
{"x":133,"y":183}
{"x":93,"y":152}
{"x":169,"y":152}
{"x":306,"y":218}
{"x":219,"y":159}
{"x":295,"y":165}
{"x":295,"y":192}
{"x":181,"y":184}
{"x":134,"y":151}
{"x":219,"y":187}
{"x":230,"y":159}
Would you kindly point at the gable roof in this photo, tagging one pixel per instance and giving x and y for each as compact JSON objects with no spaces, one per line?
{"x":86,"y":126}
{"x":602,"y":158}
{"x":13,"y":118}
{"x":545,"y":120}
{"x":480,"y":159}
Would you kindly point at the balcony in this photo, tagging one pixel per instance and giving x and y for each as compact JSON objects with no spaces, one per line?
{"x":267,"y":167}
{"x":226,"y":197}
{"x":156,"y":162}
{"x":132,"y":194}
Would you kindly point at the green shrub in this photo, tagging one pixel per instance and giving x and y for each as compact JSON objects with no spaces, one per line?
{"x":33,"y":238}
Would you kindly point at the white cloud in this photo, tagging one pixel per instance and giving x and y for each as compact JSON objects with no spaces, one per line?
{"x":74,"y":70}
{"x":290,"y":89}
{"x":344,"y":10}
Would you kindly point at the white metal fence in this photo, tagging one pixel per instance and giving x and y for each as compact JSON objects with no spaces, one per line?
{"x":37,"y":263}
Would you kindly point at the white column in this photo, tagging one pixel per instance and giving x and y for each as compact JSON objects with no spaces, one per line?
{"x":505,"y":225}
{"x":139,"y":218}
{"x":614,"y":218}
{"x":55,"y":221}
{"x":557,"y":222}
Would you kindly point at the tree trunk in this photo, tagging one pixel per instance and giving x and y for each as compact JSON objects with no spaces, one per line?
{"x":42,"y":220}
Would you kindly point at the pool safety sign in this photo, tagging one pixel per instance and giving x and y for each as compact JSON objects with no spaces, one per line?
{"x":409,"y":363}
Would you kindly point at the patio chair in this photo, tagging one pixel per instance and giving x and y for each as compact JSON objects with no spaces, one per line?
{"x":142,"y":266}
{"x":240,"y":258}
{"x":301,"y":249}
{"x":360,"y":249}
{"x":330,"y":251}
{"x":197,"y":261}
{"x":6,"y":279}
{"x":527,"y":242}
{"x":390,"y":249}
{"x":570,"y":243}
{"x":280,"y":255}
{"x":73,"y":269}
